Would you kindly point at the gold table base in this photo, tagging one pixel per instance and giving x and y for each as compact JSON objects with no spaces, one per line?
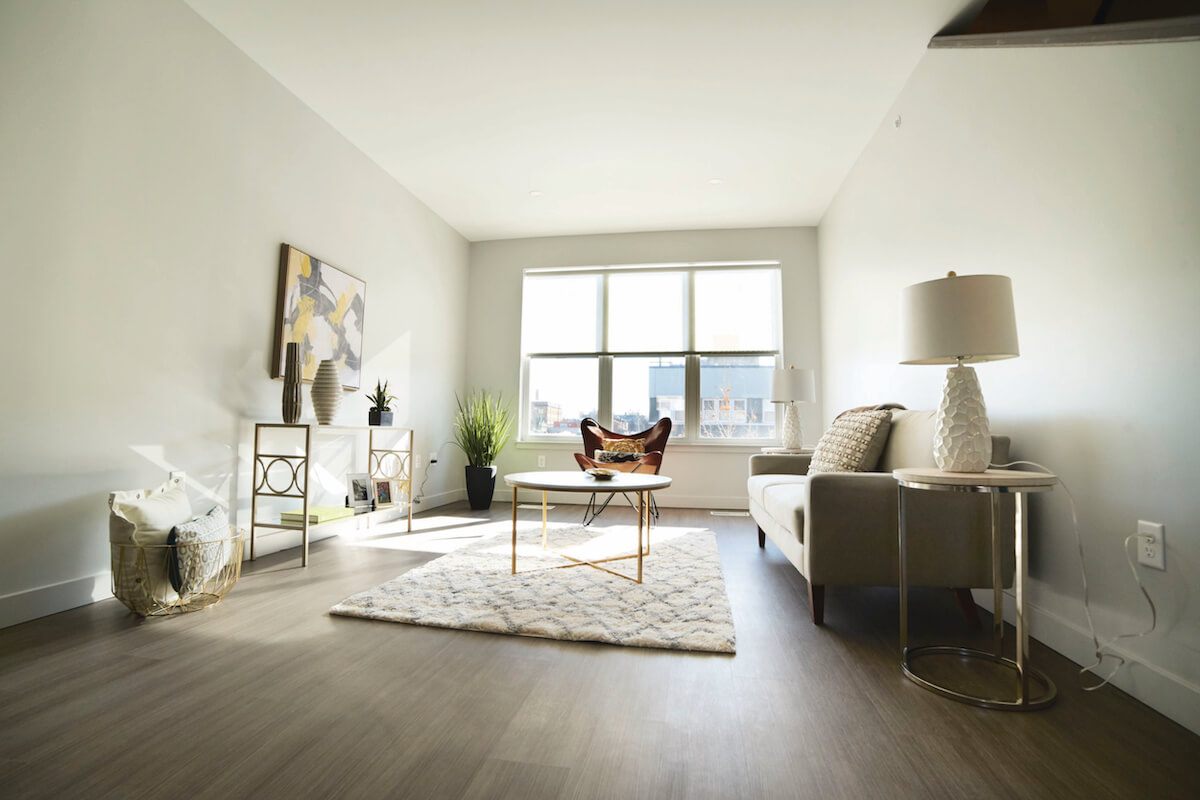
{"x":643,"y":524}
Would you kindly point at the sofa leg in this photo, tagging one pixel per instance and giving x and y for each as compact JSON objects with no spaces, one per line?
{"x":762,"y":538}
{"x":816,"y":602}
{"x":966,"y":604}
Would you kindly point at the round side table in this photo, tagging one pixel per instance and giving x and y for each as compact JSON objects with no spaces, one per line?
{"x":994,"y":482}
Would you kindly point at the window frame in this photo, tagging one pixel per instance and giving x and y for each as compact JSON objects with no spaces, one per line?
{"x":690,"y":434}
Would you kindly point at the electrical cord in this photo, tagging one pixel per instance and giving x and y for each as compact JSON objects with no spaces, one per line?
{"x":433,"y":459}
{"x":1097,"y":645}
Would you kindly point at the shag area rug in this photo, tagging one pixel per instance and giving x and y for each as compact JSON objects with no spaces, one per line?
{"x":680,"y":605}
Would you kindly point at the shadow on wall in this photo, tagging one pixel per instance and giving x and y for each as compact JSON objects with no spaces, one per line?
{"x":1083,"y":452}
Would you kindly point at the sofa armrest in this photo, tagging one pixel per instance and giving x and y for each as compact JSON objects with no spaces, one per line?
{"x":850,"y":528}
{"x":780,"y":463}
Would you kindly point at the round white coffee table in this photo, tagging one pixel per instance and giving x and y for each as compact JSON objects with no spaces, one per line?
{"x":562,"y":481}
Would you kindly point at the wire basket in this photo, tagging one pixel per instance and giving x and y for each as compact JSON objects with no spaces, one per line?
{"x":160,"y":579}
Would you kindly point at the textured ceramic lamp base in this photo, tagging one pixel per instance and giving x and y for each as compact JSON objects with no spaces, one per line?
{"x":793,"y":435}
{"x":962,"y":441}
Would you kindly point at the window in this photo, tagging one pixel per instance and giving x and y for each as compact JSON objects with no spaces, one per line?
{"x":631,"y":345}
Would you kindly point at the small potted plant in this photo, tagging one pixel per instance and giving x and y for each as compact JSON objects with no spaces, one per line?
{"x":381,"y":405}
{"x":481,"y":430}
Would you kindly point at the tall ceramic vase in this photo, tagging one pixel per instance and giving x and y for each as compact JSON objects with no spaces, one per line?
{"x":293,"y":401}
{"x":326,"y":392}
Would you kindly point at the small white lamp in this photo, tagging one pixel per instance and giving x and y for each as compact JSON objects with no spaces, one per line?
{"x":959,"y":320}
{"x":793,"y":386}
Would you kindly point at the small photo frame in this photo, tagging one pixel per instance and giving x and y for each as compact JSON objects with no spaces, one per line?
{"x":383,"y":493}
{"x":359,"y":489}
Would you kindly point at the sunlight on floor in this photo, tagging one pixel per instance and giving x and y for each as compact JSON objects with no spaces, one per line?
{"x":445,"y":534}
{"x":440,"y":534}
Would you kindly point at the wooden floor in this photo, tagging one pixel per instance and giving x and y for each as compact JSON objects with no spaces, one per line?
{"x":267,"y":696}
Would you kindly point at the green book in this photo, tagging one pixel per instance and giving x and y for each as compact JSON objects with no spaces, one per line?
{"x":316,"y":514}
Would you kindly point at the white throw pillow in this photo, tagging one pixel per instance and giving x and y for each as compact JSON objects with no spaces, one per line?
{"x":146,"y":516}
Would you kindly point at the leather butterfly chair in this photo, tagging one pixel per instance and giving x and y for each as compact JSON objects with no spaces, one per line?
{"x":593,"y":439}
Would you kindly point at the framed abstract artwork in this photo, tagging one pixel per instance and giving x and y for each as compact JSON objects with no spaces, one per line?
{"x":320,"y":307}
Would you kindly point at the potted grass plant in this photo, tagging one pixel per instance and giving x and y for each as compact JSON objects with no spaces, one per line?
{"x":481,"y":429}
{"x":381,"y":405}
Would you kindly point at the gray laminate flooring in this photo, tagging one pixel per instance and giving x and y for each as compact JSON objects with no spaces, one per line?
{"x":267,"y":696}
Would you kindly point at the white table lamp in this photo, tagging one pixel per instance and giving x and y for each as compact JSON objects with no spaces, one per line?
{"x":792,"y":386}
{"x":959,"y":320}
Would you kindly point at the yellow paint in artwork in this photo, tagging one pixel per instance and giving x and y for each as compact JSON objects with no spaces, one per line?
{"x":305,"y":266}
{"x":343,"y":305}
{"x":305,"y":307}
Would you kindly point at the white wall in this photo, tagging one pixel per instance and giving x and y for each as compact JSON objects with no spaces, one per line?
{"x":1077,"y":172}
{"x":151,"y":171}
{"x":704,"y":477}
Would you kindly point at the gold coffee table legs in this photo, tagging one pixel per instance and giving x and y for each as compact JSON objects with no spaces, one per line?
{"x":643,"y":525}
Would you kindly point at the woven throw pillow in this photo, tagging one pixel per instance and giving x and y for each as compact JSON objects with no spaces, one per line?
{"x":853,"y":443}
{"x":625,"y":446}
{"x":200,"y":552}
{"x":613,"y":457}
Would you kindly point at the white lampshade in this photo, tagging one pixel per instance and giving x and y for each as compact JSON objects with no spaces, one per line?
{"x":968,"y":316}
{"x":957,"y":320}
{"x":793,"y":386}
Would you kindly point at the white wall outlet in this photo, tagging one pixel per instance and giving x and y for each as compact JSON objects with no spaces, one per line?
{"x":1151,"y":544}
{"x":541,"y":462}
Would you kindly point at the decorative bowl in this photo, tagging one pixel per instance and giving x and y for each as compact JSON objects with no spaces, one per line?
{"x":601,"y":474}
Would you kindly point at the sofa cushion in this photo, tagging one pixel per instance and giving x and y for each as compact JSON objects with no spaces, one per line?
{"x":784,"y":501}
{"x":853,"y":443}
{"x":757,"y":485}
{"x":910,"y":441}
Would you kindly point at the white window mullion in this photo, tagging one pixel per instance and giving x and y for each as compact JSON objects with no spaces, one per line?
{"x":691,"y":398}
{"x":689,"y":310}
{"x":602,"y":315}
{"x":525,"y":416}
{"x":605,"y":402}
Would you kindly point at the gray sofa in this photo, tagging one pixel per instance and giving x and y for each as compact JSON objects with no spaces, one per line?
{"x":842,"y":528}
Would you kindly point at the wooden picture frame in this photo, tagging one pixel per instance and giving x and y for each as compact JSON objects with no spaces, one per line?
{"x":321,"y":307}
{"x":359,"y":490}
{"x":383,"y":493}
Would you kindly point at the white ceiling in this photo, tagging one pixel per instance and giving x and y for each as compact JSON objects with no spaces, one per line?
{"x":620,"y":112}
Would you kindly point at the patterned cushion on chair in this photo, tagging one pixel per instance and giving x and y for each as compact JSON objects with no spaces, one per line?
{"x":853,"y":443}
{"x":616,"y":457}
{"x":637,"y":446}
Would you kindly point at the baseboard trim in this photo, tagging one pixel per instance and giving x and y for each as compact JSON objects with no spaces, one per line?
{"x":1172,"y":695}
{"x":441,"y":499}
{"x":43,"y":601}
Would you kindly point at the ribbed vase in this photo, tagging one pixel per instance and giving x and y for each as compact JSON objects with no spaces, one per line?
{"x":293,"y":401}
{"x":326,"y":392}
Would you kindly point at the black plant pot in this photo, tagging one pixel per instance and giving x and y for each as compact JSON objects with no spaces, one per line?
{"x":380,"y":418}
{"x":481,"y":482}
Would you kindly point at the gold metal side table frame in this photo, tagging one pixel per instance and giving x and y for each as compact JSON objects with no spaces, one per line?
{"x":993,"y":483}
